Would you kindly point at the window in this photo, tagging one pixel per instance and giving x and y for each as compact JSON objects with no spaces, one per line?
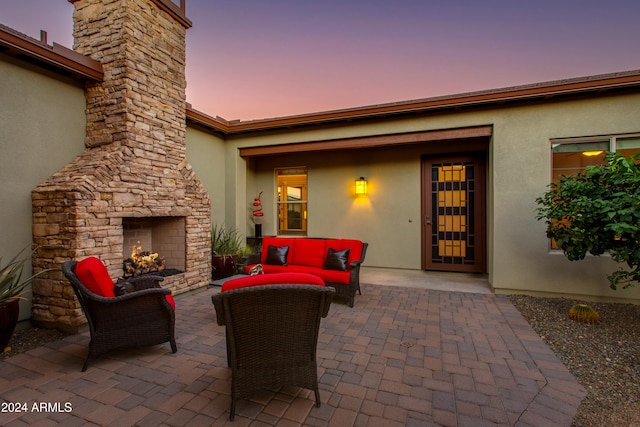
{"x":628,"y":146}
{"x":292,"y":201}
{"x":569,"y":159}
{"x":571,"y":156}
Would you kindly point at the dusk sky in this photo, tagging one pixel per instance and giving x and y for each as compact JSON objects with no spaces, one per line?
{"x":252,"y":59}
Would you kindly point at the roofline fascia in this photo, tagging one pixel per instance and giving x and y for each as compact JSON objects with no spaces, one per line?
{"x":543,"y":90}
{"x":87,"y":68}
{"x":216,"y":124}
{"x":57,"y":55}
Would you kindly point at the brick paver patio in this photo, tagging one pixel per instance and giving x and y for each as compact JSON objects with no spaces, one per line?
{"x":400,"y":357}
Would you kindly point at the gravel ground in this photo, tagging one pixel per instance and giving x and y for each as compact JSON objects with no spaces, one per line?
{"x":604,"y":358}
{"x":27,"y":339}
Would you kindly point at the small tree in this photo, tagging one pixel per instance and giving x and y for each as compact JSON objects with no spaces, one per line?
{"x":598,"y":210}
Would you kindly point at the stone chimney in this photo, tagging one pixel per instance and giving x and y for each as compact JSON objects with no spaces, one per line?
{"x":134,"y":169}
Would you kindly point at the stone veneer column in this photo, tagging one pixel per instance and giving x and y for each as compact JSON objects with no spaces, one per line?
{"x":135,"y":163}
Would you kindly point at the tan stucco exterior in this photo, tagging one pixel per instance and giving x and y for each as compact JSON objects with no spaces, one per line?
{"x":43,"y":128}
{"x":519,"y":258}
{"x":206,"y":155}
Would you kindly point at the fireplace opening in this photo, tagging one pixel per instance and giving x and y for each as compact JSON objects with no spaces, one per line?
{"x":164,"y":236}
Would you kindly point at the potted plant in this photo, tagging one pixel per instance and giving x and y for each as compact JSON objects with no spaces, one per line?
{"x":226,"y":247}
{"x":11,"y":289}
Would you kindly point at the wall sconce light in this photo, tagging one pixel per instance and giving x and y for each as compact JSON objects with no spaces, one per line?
{"x":361,"y":186}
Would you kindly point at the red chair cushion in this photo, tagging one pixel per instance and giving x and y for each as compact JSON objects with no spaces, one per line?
{"x":94,"y":275}
{"x":272,"y":279}
{"x":172,"y":302}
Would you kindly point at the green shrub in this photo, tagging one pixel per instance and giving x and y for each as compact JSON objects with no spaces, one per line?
{"x":598,"y":211}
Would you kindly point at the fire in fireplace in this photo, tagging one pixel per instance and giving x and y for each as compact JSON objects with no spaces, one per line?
{"x":162,"y":235}
{"x":142,"y":262}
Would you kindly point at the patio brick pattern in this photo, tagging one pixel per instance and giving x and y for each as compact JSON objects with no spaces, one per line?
{"x":400,"y":357}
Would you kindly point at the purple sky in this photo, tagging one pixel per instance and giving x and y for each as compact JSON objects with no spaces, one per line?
{"x":251,"y":59}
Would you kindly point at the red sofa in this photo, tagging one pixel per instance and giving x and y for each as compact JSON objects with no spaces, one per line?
{"x":336,"y":261}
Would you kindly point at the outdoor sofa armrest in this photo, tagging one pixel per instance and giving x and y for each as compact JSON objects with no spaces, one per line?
{"x":250,"y":260}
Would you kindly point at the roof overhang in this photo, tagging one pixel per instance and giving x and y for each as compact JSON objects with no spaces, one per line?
{"x":80,"y":67}
{"x":539,"y":92}
{"x":57,"y":57}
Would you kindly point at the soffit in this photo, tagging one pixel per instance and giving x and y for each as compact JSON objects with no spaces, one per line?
{"x":375,"y":141}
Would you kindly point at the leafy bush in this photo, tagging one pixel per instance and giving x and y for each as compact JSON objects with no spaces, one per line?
{"x":596,"y":211}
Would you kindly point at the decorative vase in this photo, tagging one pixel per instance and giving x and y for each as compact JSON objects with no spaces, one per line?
{"x":258,"y":229}
{"x":9,"y":311}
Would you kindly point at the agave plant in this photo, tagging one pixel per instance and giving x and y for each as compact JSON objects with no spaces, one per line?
{"x":10,"y":274}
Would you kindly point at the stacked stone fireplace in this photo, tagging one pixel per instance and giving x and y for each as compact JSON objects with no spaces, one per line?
{"x":133,"y":174}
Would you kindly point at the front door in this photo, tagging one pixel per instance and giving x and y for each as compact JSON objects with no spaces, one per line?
{"x":453,"y":210}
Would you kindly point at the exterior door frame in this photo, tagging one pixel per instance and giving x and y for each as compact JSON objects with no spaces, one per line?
{"x":480,"y":213}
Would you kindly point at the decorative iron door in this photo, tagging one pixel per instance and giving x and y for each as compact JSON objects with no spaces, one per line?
{"x":453,"y":214}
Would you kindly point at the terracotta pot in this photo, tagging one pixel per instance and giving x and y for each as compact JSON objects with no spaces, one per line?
{"x":9,"y":311}
{"x":223,"y":266}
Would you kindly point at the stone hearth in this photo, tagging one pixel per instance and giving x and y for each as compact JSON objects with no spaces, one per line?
{"x":134,"y":168}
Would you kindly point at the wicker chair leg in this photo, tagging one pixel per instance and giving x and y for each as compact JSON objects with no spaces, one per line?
{"x":317,"y":398}
{"x":232,"y":410}
{"x":86,"y":363}
{"x":174,"y":347}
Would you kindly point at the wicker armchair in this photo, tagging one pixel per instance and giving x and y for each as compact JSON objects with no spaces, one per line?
{"x":140,"y":318}
{"x":272,"y":336}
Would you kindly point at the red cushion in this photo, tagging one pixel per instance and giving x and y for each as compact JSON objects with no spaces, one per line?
{"x":309,"y":252}
{"x":335,"y":276}
{"x":94,"y":275}
{"x":172,"y":302}
{"x":272,"y":279}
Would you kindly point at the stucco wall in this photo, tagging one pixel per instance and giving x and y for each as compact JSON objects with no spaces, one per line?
{"x":206,"y":154}
{"x":42,"y":128}
{"x":334,"y":210}
{"x":519,"y":162}
{"x":522,"y":258}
